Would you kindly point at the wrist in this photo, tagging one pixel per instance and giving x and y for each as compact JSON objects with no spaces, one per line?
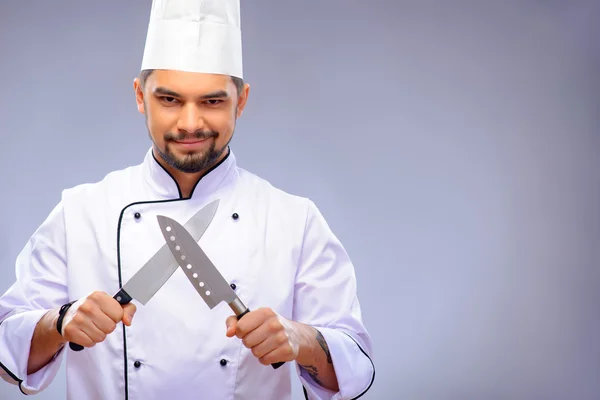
{"x":52,"y":319}
{"x":306,"y":348}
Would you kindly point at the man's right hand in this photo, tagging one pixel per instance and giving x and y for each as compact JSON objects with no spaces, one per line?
{"x":90,"y":319}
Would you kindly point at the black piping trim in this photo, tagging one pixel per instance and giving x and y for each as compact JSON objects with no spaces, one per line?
{"x":168,"y":173}
{"x":13,"y":376}
{"x":10,"y":373}
{"x":211,"y":169}
{"x":372,"y":378}
{"x":180,"y":198}
{"x":121,"y":279}
{"x":196,"y":184}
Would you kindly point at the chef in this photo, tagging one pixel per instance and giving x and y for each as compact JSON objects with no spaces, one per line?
{"x":275,"y":250}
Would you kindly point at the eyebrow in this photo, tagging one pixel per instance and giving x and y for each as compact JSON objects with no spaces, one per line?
{"x":216,"y":94}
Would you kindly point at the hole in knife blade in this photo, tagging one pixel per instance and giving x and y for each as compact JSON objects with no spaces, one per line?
{"x":201,"y":284}
{"x":177,"y":248}
{"x":172,"y":238}
{"x":183,"y":257}
{"x":208,"y":292}
{"x":168,"y":229}
{"x":189,"y":266}
{"x":195,"y":275}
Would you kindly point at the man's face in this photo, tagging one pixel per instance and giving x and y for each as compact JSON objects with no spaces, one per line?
{"x":190,"y":116}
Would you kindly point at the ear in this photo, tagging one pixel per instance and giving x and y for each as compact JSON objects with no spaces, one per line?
{"x":139,"y":95}
{"x":242,"y":100}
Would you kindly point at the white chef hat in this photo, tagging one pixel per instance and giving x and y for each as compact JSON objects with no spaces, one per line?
{"x":195,"y":36}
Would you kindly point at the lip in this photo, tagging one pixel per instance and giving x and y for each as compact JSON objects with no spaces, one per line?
{"x":190,"y":143}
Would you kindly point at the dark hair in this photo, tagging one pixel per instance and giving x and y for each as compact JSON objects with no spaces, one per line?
{"x":239,"y":83}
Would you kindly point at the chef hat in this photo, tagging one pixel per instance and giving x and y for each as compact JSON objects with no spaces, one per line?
{"x":195,"y":36}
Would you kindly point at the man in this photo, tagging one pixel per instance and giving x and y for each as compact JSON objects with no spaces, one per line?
{"x":275,"y":248}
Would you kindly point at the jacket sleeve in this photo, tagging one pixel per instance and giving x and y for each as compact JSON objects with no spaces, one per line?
{"x":326,"y":298}
{"x":40,"y":286}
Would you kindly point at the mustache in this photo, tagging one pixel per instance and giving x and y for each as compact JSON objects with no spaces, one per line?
{"x":200,"y":135}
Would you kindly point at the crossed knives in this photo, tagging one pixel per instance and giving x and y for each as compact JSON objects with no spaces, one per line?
{"x":182,"y":250}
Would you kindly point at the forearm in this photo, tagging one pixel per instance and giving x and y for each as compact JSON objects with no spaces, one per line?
{"x":45,"y":343}
{"x":314,"y":357}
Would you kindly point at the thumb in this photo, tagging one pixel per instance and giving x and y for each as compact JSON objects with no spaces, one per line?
{"x":231,"y":325}
{"x":128,"y":313}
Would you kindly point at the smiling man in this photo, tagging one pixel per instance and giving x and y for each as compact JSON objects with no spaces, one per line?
{"x":275,"y":249}
{"x":190,"y":118}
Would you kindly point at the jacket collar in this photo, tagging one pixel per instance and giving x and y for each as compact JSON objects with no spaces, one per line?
{"x":162,"y":183}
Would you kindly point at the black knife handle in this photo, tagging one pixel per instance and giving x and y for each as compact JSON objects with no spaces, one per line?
{"x":75,"y":346}
{"x":275,"y":365}
{"x":122,"y":297}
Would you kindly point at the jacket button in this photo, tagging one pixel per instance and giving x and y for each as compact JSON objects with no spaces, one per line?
{"x":233,"y":286}
{"x":137,"y":364}
{"x":137,"y":215}
{"x":223,"y":362}
{"x":235,"y":216}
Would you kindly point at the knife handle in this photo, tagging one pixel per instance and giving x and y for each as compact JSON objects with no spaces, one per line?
{"x":122,"y":297}
{"x":246,"y":311}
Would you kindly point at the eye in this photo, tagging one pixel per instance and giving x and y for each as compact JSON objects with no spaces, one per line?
{"x":214,"y":102}
{"x":168,"y":99}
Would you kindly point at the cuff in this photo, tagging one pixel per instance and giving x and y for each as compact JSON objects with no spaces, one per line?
{"x":354,"y":368}
{"x":15,"y":343}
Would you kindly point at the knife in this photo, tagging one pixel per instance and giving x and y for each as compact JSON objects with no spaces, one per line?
{"x":201,"y":272}
{"x":155,"y":273}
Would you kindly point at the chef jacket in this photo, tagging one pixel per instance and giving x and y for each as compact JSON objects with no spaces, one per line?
{"x":275,"y":248}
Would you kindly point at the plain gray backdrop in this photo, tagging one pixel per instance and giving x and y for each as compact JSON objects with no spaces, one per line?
{"x":452,"y":146}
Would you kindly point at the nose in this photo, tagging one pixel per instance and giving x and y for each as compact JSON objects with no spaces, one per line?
{"x":190,"y":119}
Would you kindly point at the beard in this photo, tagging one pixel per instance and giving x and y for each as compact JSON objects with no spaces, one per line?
{"x":192,"y":162}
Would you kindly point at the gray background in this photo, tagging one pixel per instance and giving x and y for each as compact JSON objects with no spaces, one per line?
{"x":452,"y":146}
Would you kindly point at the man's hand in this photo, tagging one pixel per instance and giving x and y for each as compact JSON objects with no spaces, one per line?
{"x":86,"y":322}
{"x":89,"y":320}
{"x":271,"y":337}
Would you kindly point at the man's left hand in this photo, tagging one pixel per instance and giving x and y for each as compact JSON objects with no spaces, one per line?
{"x":271,"y":337}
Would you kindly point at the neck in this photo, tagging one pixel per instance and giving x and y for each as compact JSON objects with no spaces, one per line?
{"x":186,"y":181}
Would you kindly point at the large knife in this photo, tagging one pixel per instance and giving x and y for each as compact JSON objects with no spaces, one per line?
{"x":201,"y":272}
{"x":155,"y":273}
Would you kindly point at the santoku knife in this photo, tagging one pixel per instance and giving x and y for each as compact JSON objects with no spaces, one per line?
{"x":200,"y":271}
{"x":155,"y":273}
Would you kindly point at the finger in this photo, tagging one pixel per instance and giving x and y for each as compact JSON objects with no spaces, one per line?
{"x":280,"y":354}
{"x":103,"y":322}
{"x":91,"y":330}
{"x":108,"y":305}
{"x":270,"y":344}
{"x":257,"y":336}
{"x":231,"y":324}
{"x":128,"y":313}
{"x":75,"y":330}
{"x":79,"y":337}
{"x":113,"y":309}
{"x":250,"y":322}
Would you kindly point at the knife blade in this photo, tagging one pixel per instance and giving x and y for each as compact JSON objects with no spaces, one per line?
{"x":156,"y":271}
{"x":199,"y":269}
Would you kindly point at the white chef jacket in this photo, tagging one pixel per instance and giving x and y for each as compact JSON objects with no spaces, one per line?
{"x":279,"y":252}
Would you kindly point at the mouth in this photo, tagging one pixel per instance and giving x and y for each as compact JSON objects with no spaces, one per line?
{"x":191,"y":141}
{"x":191,"y":144}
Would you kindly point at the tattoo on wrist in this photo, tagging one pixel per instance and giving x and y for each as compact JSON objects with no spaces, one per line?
{"x":324,"y":346}
{"x":313,"y":372}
